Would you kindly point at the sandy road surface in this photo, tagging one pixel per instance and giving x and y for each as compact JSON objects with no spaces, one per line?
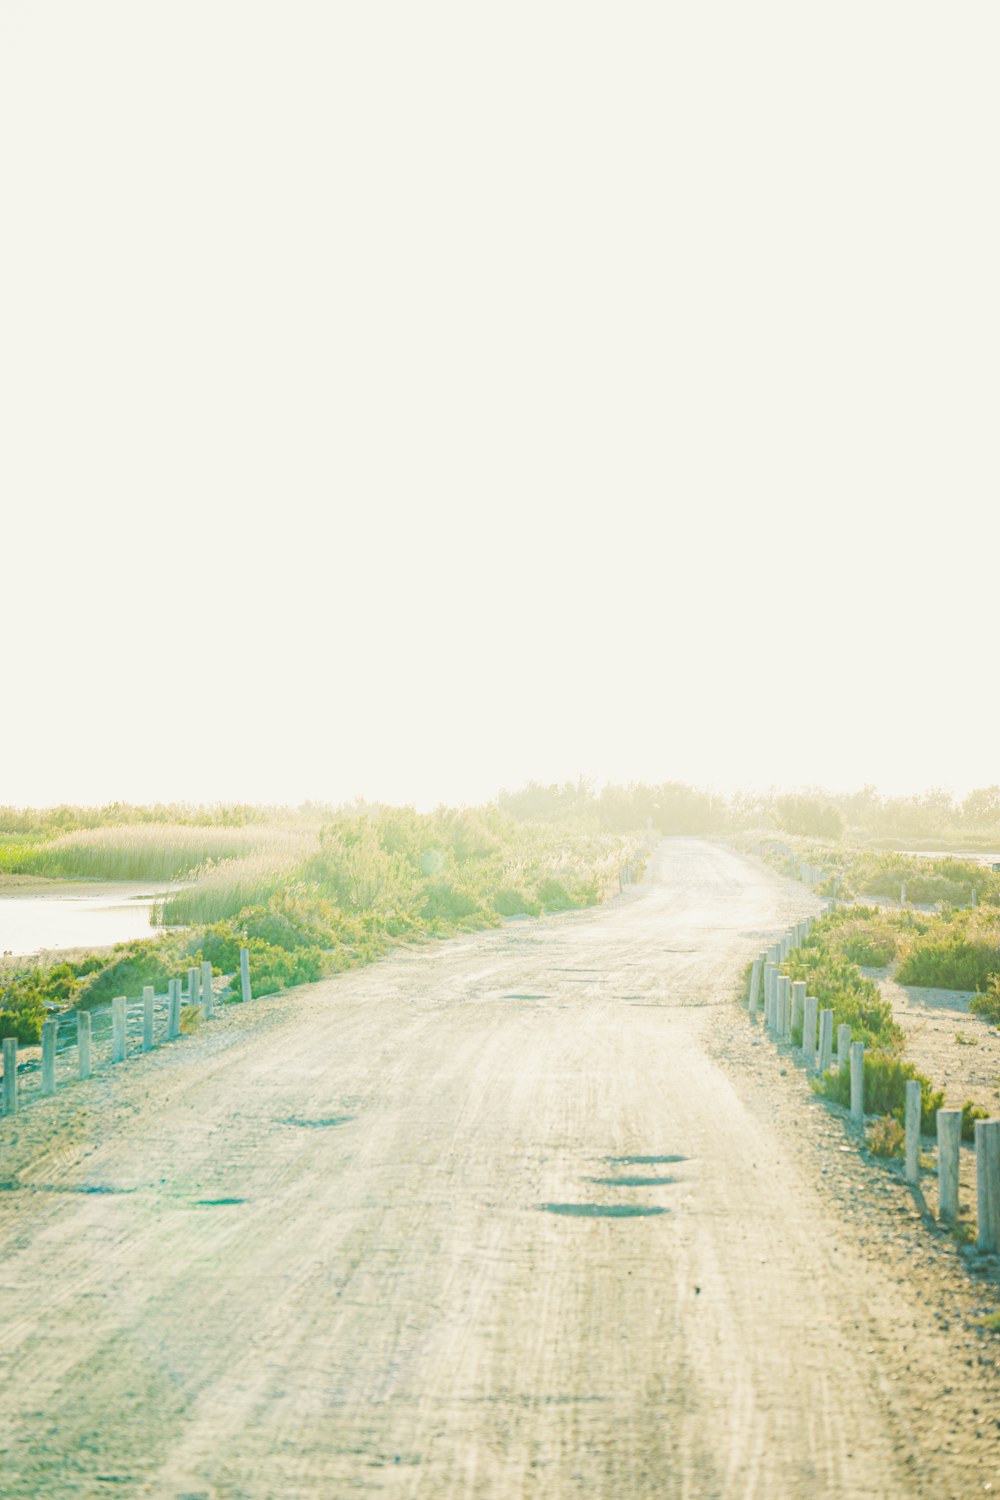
{"x":313,"y":1252}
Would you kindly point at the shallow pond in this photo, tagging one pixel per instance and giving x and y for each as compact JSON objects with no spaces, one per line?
{"x":75,"y":914}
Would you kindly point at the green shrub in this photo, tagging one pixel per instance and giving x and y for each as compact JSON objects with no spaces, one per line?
{"x":959,"y":955}
{"x":840,"y":986}
{"x":987,"y":1005}
{"x":885,"y":1080}
{"x":970,"y":1114}
{"x":134,"y":965}
{"x":554,"y":896}
{"x":887,"y":1137}
{"x":448,"y":903}
{"x":512,"y":903}
{"x":25,"y":1024}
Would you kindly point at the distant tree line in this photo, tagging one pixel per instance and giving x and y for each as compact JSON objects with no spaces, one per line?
{"x":670,"y":807}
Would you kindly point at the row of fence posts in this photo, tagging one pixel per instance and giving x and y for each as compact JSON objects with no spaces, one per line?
{"x":199,"y":991}
{"x":786,"y":1007}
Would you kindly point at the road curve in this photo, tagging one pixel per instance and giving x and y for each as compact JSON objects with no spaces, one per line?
{"x":380,"y":1237}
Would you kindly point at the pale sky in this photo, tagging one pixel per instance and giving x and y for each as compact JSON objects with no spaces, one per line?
{"x":407,"y":400}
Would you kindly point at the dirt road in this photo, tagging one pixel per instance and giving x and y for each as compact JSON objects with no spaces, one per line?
{"x":508,"y":1216}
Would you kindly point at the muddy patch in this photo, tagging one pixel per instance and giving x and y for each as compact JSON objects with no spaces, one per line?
{"x":633,"y":1181}
{"x":643,"y":1161}
{"x":326,"y":1122}
{"x":600,"y":1210}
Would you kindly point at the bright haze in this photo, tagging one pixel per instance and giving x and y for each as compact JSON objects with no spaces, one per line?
{"x":408,"y":400}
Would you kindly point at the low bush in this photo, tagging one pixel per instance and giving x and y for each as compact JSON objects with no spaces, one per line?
{"x":24,"y":1024}
{"x":513,"y":903}
{"x":957,"y":953}
{"x":887,"y":1137}
{"x":840,"y":986}
{"x":885,"y":1080}
{"x":970,"y":1114}
{"x":554,"y":896}
{"x":133,"y":965}
{"x":987,"y":1005}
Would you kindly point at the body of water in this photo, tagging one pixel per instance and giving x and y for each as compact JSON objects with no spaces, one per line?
{"x":71,"y":914}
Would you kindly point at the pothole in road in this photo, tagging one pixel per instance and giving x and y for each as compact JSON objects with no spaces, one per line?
{"x":322,"y":1124}
{"x":601,"y":1210}
{"x":102,"y":1189}
{"x":525,"y":997}
{"x":633,"y":1181}
{"x":643,"y":1161}
{"x":218,"y":1202}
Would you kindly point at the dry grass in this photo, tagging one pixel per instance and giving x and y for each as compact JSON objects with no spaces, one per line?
{"x":226,"y":888}
{"x":160,"y":851}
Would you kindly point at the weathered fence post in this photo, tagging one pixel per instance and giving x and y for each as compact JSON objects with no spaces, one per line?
{"x":784,"y":1007}
{"x":949,"y":1134}
{"x":148,"y":996}
{"x":50,"y":1030}
{"x":798,"y":1003}
{"x":769,"y":974}
{"x":173,"y":1010}
{"x":751,"y":1003}
{"x":83,"y":1038}
{"x":912,"y":1130}
{"x":902,"y":894}
{"x":118,"y":1029}
{"x":843,"y":1044}
{"x":988,"y":1184}
{"x":809,"y":1031}
{"x":825,"y":1040}
{"x":192,"y":986}
{"x":207,"y":994}
{"x":10,"y":1075}
{"x":858,"y":1082}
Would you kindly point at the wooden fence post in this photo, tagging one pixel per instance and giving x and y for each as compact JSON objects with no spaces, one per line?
{"x":913,"y":1130}
{"x":148,"y":996}
{"x":173,"y":1010}
{"x":858,"y":1082}
{"x":193,"y":986}
{"x":949,"y":1134}
{"x":207,"y":993}
{"x":118,"y":1029}
{"x":83,"y":1039}
{"x":751,"y":1003}
{"x":783,"y":1027}
{"x":798,"y":1003}
{"x":988,"y":1184}
{"x":770,"y":970}
{"x":825,"y":1040}
{"x":10,"y":1075}
{"x":50,"y":1030}
{"x":809,"y":1031}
